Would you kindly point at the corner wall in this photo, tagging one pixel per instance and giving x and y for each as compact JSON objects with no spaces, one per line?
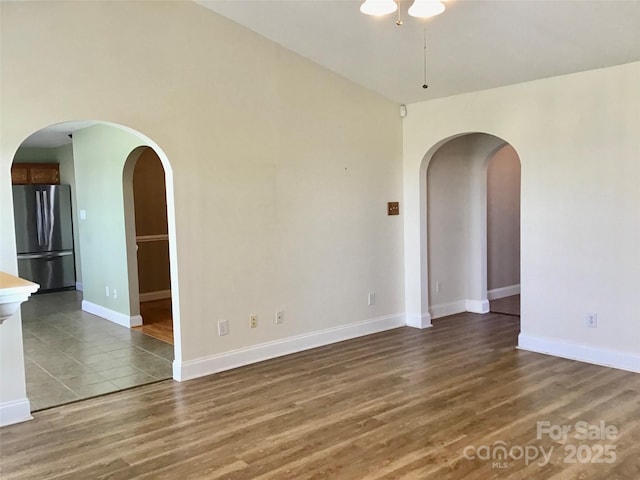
{"x":100,"y":152}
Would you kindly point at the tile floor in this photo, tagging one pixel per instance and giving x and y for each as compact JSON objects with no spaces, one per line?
{"x":71,"y":354}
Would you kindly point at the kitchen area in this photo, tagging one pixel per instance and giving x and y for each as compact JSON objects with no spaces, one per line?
{"x":44,"y":227}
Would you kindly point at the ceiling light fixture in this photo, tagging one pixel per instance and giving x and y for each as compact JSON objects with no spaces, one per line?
{"x":378,"y":8}
{"x":426,"y":8}
{"x":419,"y":8}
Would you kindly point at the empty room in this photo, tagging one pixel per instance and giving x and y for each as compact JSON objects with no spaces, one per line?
{"x":397,"y":239}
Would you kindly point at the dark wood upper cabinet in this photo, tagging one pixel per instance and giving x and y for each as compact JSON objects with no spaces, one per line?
{"x":35,"y":174}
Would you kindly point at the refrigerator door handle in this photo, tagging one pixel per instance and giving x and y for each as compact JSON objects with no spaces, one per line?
{"x":39,"y":218}
{"x":46,"y":218}
{"x":45,"y":212}
{"x":31,"y":256}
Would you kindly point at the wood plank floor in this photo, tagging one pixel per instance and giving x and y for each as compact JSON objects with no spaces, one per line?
{"x":400,"y":404}
{"x":157,"y":318}
{"x":507,"y":305}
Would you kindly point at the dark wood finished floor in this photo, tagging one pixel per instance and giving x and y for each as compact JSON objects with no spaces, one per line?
{"x":507,"y":305}
{"x":400,"y":404}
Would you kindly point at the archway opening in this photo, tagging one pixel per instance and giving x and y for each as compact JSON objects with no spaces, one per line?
{"x":146,"y":211}
{"x":460,"y":231}
{"x":84,"y":352}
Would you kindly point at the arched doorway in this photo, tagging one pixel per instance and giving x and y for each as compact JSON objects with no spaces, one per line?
{"x":91,"y":156}
{"x":454,"y":207}
{"x":145,"y":186}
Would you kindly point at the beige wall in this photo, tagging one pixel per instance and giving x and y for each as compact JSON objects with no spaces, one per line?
{"x":503,"y":219}
{"x":281,"y":170}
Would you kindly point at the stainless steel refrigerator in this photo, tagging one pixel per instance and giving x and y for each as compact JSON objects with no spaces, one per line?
{"x":44,"y":235}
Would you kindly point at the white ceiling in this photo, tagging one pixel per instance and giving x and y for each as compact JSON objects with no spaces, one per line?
{"x":55,"y":135}
{"x":473,"y":45}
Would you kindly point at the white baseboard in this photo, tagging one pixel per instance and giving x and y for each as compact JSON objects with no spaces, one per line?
{"x":446,"y":309}
{"x":265,"y":351}
{"x":15,"y":411}
{"x":418,"y":320}
{"x":79,"y":286}
{"x":583,"y":353}
{"x":158,"y":295}
{"x":477,"y":306}
{"x":502,"y":292}
{"x":112,"y":315}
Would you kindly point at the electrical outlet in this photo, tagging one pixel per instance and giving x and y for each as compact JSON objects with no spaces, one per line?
{"x":371,"y":299}
{"x":279,"y":317}
{"x":253,"y":321}
{"x":106,"y":289}
{"x":115,"y":293}
{"x":591,"y":320}
{"x":223,"y":327}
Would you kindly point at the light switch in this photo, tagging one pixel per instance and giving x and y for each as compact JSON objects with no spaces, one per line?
{"x":83,"y":214}
{"x":393,"y":208}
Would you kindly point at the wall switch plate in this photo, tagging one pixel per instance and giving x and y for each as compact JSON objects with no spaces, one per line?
{"x":253,"y":321}
{"x":393,"y":208}
{"x":83,"y":214}
{"x":437,"y":287}
{"x":223,"y":327}
{"x":591,"y":320}
{"x":106,"y":290}
{"x":279,"y":317}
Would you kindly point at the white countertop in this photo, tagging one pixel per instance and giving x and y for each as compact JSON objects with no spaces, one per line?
{"x":13,"y":291}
